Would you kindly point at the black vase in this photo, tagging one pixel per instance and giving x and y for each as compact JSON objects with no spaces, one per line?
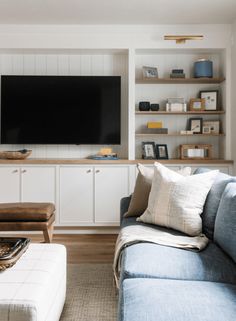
{"x":144,"y":105}
{"x":154,"y":107}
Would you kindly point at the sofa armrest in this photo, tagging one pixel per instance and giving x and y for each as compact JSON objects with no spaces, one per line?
{"x":124,"y":205}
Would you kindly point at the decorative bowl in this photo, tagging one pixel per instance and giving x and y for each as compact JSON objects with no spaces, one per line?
{"x":19,"y":154}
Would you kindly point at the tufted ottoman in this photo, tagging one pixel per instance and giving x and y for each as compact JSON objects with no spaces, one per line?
{"x":34,"y":289}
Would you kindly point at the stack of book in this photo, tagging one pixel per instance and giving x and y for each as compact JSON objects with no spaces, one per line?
{"x":156,"y":128}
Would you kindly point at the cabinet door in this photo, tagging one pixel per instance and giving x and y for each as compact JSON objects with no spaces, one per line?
{"x":76,"y":195}
{"x":111,"y":184}
{"x":38,"y":184}
{"x":9,"y":184}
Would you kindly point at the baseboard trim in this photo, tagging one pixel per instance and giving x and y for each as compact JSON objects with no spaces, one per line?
{"x":70,"y":230}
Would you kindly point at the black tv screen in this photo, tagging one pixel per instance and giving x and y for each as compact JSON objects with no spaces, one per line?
{"x":60,"y":109}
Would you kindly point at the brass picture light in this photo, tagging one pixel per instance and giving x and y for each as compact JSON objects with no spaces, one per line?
{"x":183,"y":38}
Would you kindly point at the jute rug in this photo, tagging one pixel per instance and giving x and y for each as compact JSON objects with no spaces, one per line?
{"x":91,"y":295}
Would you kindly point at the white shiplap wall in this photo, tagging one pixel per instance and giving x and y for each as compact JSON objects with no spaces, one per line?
{"x":69,"y":63}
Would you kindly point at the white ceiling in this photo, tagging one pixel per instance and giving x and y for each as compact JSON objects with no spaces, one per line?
{"x":117,"y":11}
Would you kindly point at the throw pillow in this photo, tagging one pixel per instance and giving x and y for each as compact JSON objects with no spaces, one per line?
{"x":225,"y":224}
{"x":176,"y":201}
{"x":139,"y":199}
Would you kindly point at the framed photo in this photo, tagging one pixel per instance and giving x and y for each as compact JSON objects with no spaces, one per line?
{"x":150,"y":72}
{"x":162,"y":151}
{"x":200,"y":151}
{"x":148,"y":150}
{"x":214,"y":126}
{"x":195,"y":125}
{"x":211,"y":99}
{"x":206,"y":129}
{"x":197,"y":104}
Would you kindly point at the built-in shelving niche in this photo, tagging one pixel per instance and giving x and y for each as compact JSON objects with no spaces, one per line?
{"x":158,"y":90}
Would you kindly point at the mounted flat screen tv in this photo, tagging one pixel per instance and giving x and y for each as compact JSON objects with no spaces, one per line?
{"x":60,"y":109}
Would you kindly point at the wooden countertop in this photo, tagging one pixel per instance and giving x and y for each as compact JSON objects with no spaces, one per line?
{"x":71,"y":161}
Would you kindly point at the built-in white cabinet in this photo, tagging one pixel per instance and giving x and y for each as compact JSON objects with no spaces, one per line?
{"x":27,"y":184}
{"x":85,"y":195}
{"x":91,"y":195}
{"x":9,"y":184}
{"x":111,"y":184}
{"x":76,"y":195}
{"x":38,"y":184}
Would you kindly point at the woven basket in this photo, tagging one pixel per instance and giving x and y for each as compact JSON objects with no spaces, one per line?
{"x":11,"y":250}
{"x":15,"y":154}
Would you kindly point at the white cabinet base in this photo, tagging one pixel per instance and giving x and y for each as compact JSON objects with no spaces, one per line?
{"x":87,"y":196}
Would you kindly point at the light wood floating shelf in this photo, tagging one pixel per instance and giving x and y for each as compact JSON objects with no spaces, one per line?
{"x":217,"y":112}
{"x":177,"y":134}
{"x":180,"y":80}
{"x":185,"y":161}
{"x":84,"y":161}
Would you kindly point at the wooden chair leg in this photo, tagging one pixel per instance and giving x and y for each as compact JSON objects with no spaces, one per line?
{"x":48,"y":234}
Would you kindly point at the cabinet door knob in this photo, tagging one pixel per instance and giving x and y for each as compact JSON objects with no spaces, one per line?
{"x":97,"y":171}
{"x":23,"y":171}
{"x":15,"y":171}
{"x":89,"y":171}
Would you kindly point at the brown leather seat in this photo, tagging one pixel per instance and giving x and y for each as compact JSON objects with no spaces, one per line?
{"x":26,"y":212}
{"x":28,"y":217}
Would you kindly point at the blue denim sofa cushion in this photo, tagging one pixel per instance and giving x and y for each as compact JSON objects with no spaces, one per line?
{"x":156,"y":261}
{"x":165,"y":300}
{"x":225,"y":225}
{"x":147,"y":260}
{"x":213,"y":200}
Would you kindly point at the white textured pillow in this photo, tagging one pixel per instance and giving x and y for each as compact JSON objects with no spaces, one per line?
{"x":176,"y":201}
{"x":139,"y":200}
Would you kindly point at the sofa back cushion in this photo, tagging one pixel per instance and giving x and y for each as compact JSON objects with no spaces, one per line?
{"x":213,"y":200}
{"x":225,"y":224}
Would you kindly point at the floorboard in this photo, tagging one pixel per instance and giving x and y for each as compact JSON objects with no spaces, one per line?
{"x":85,"y":248}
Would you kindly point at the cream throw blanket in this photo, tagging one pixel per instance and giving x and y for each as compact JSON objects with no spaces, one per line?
{"x":138,"y":234}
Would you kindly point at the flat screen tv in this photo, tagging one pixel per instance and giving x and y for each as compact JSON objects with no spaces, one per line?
{"x":60,"y":109}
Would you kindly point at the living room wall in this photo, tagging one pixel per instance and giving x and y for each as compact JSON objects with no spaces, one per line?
{"x":233,"y":118}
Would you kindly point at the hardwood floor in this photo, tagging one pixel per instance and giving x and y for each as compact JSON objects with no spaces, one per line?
{"x":89,"y":248}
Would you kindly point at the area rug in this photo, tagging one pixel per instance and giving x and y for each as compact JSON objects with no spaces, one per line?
{"x":91,"y":295}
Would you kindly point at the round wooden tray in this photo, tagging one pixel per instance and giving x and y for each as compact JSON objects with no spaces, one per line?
{"x":15,"y":154}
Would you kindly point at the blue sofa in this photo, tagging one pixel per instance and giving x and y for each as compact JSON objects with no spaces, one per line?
{"x":160,"y":283}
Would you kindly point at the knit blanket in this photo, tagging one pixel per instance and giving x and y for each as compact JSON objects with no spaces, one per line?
{"x":134,"y":234}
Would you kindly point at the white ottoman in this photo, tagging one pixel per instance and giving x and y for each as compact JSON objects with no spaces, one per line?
{"x":34,"y":289}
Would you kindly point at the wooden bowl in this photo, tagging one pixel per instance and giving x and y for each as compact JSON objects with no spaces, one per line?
{"x":15,"y":154}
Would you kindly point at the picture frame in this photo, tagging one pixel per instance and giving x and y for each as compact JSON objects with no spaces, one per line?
{"x":197,"y":104}
{"x":211,"y":99}
{"x":214,"y":126}
{"x":162,"y":151}
{"x":206,"y":130}
{"x":198,"y":151}
{"x":195,"y":125}
{"x":150,"y":72}
{"x":148,"y":150}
